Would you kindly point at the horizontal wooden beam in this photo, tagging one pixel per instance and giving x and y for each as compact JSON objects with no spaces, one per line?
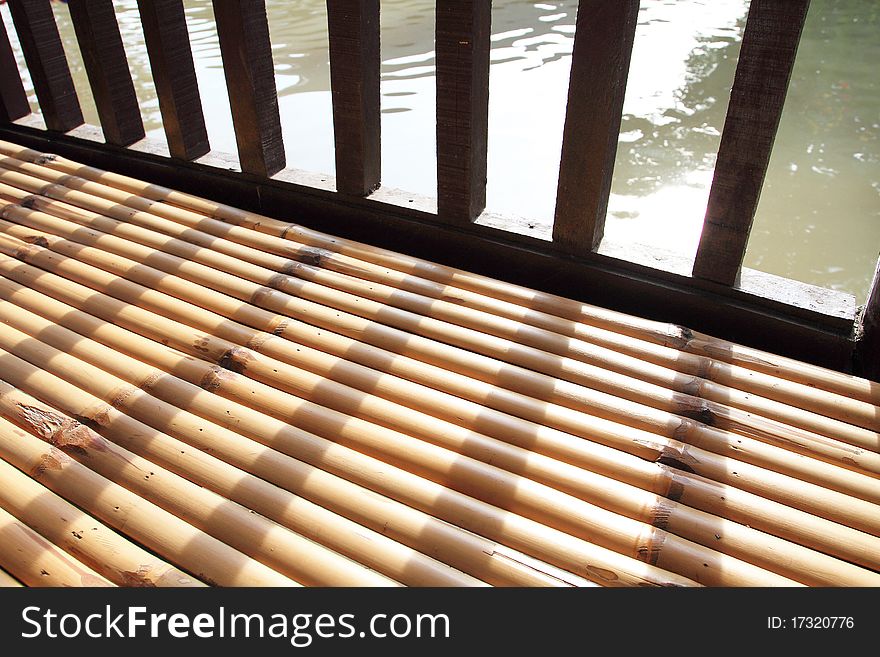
{"x":243,"y":30}
{"x":47,"y":64}
{"x":354,"y":78}
{"x":776,"y":314}
{"x":103,"y":53}
{"x":600,"y":60}
{"x":462,"y":57}
{"x":13,"y":99}
{"x":766,"y":59}
{"x":174,"y":74}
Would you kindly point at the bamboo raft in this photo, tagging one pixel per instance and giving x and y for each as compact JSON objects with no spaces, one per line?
{"x":192,"y":394}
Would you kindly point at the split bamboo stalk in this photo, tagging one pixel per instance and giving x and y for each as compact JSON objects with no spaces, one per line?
{"x":37,"y":562}
{"x":768,"y":430}
{"x":557,"y":510}
{"x":207,"y":558}
{"x":800,"y":494}
{"x":7,"y":581}
{"x":207,"y":471}
{"x":488,"y":289}
{"x":427,"y":399}
{"x":723,"y":499}
{"x":277,"y":547}
{"x":538,"y":349}
{"x":609,"y":567}
{"x":82,"y":536}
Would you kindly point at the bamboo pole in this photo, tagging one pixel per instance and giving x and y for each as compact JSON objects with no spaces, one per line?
{"x":82,"y":536}
{"x":800,"y":494}
{"x":182,"y":544}
{"x":770,"y":431}
{"x":644,"y":573}
{"x":530,"y":347}
{"x":416,"y":568}
{"x":560,"y":511}
{"x":277,"y":547}
{"x":37,"y":562}
{"x":442,"y":281}
{"x":7,"y":581}
{"x":393,"y":388}
{"x":257,"y":495}
{"x":723,"y":500}
{"x":730,"y":538}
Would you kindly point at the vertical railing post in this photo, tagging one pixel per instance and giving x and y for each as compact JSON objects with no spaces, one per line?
{"x":103,"y":52}
{"x":603,"y":44}
{"x":353,"y":29}
{"x":868,"y":332}
{"x":243,"y":30}
{"x":174,"y":74}
{"x":766,"y":60}
{"x":462,"y":55}
{"x":13,"y":99}
{"x":47,"y":64}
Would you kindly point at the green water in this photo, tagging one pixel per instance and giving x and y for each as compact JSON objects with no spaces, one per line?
{"x":819,"y":216}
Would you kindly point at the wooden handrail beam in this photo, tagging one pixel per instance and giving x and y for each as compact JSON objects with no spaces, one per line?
{"x":103,"y":53}
{"x":13,"y":99}
{"x":44,"y":54}
{"x":462,"y":54}
{"x":174,"y":73}
{"x":769,"y":47}
{"x":353,"y":28}
{"x":243,"y":30}
{"x":600,"y":62}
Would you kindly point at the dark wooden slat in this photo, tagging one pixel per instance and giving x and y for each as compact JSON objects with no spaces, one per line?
{"x":868,"y":348}
{"x":766,"y":59}
{"x":600,"y":62}
{"x":243,"y":28}
{"x":44,"y":54}
{"x":174,"y":73}
{"x":100,"y":43}
{"x":354,"y":74}
{"x":462,"y":53}
{"x":13,"y":99}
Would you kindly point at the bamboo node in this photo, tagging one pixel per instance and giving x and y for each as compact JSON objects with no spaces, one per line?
{"x":140,"y":578}
{"x":45,"y":158}
{"x":51,"y":460}
{"x":678,"y":457}
{"x":214,"y":378}
{"x":679,"y":337}
{"x":650,"y":544}
{"x":38,"y":240}
{"x":235,"y":360}
{"x":661,"y":513}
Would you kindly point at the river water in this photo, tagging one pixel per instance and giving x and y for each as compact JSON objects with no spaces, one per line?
{"x":819,"y":216}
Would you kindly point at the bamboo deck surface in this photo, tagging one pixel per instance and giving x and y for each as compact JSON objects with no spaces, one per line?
{"x":192,"y":394}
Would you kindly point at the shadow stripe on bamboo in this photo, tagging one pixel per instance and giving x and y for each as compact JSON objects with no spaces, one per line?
{"x":81,"y":535}
{"x":180,"y":543}
{"x":279,"y":548}
{"x":535,"y":348}
{"x":38,"y":562}
{"x":628,"y":537}
{"x":667,"y":513}
{"x":207,"y":471}
{"x":801,"y":441}
{"x":670,"y":335}
{"x":185,"y":345}
{"x":749,"y":520}
{"x":496,"y":562}
{"x":644,"y":573}
{"x":790,"y":437}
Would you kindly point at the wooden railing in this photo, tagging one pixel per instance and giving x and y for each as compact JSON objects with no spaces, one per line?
{"x":716,"y":294}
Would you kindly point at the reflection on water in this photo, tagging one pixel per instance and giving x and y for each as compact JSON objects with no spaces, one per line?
{"x":819,"y":218}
